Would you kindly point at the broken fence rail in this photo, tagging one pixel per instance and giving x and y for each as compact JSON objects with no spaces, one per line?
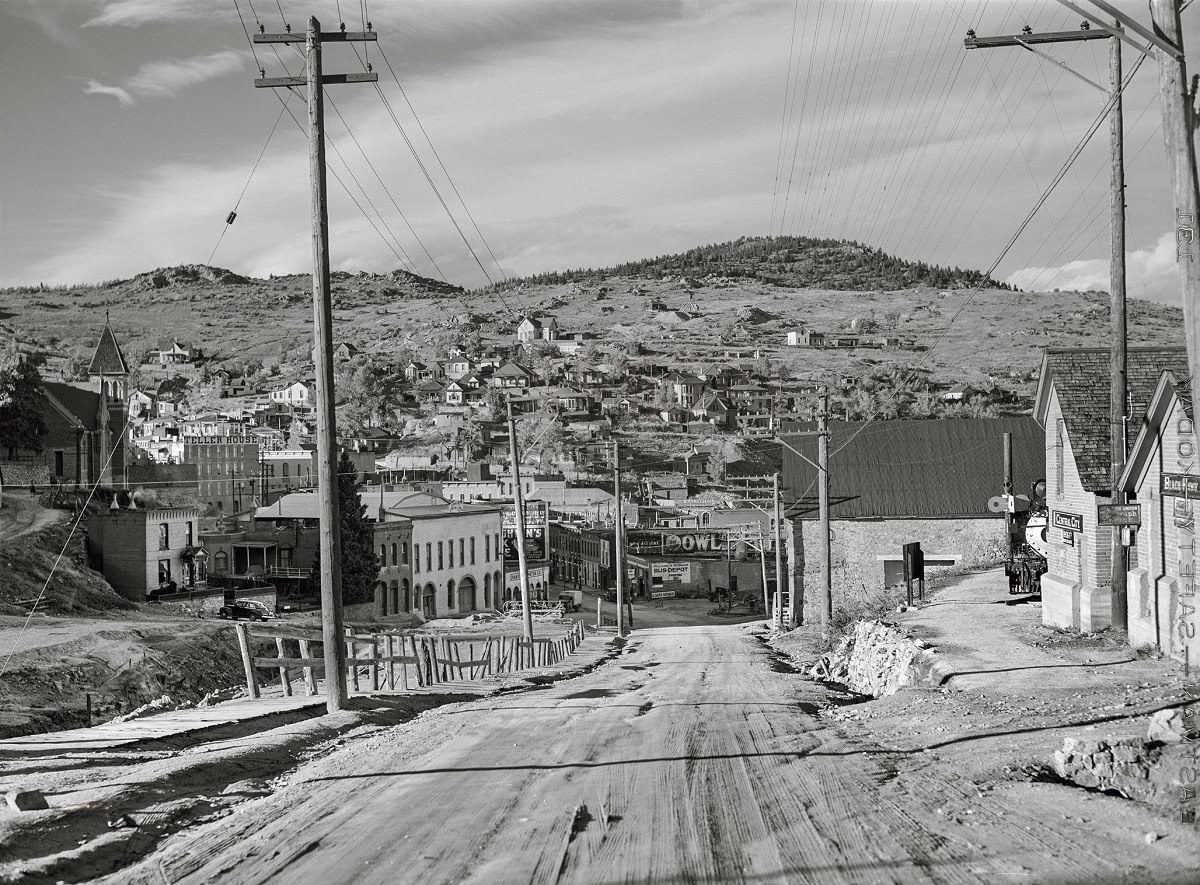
{"x":391,"y":661}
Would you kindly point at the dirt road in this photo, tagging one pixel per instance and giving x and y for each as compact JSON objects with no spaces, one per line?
{"x":690,"y":758}
{"x":22,"y":515}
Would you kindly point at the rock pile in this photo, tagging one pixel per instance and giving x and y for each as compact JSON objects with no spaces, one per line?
{"x":875,"y":659}
{"x":1156,"y":769}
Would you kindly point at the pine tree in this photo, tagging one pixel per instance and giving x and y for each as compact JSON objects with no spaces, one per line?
{"x":22,"y":420}
{"x":359,"y":565}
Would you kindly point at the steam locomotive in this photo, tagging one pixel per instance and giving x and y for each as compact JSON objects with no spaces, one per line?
{"x":1028,"y":546}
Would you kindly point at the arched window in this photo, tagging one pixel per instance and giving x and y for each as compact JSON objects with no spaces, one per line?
{"x":382,"y":555}
{"x":450,"y":594}
{"x":487,"y":591}
{"x":285,"y":468}
{"x":404,"y":553}
{"x":395,"y":558}
{"x":462,"y":551}
{"x":220,"y":562}
{"x":450,"y":544}
{"x":472,"y":550}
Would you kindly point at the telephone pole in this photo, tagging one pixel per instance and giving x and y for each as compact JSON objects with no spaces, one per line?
{"x":824,"y":553}
{"x":619,"y":539}
{"x":332,"y":630}
{"x":1179,"y":130}
{"x":519,"y":504}
{"x":1117,"y":406}
{"x":779,"y":616}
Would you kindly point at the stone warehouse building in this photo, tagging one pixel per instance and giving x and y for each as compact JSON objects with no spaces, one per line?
{"x":1072,"y":404}
{"x":893,"y":482}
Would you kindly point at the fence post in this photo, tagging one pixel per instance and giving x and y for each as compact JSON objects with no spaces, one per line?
{"x":310,"y":680}
{"x":284,"y":679}
{"x":374,"y":665}
{"x":351,"y":659}
{"x":243,"y":637}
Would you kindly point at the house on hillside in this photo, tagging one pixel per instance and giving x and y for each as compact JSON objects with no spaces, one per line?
{"x":1162,"y":480}
{"x":1072,"y":404}
{"x":528,"y":330}
{"x":805,"y":338}
{"x":297,"y":395}
{"x":684,"y":387}
{"x":174,"y":353}
{"x":511,"y":375}
{"x":345,"y":352}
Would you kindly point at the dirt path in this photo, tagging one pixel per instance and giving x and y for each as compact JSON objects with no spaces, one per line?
{"x":22,"y":515}
{"x":691,"y":758}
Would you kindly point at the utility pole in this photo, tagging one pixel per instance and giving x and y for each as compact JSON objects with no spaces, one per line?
{"x":332,"y":631}
{"x":619,"y":539}
{"x":779,"y":617}
{"x":1117,"y":405}
{"x":823,"y":515}
{"x":1179,"y":130}
{"x":762,"y":559}
{"x":519,"y":504}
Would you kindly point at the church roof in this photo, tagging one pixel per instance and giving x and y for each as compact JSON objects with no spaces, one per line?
{"x":108,"y":359}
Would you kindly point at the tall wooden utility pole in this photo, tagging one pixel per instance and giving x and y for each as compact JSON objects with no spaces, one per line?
{"x":332,"y":630}
{"x":1117,"y":404}
{"x":1179,"y":130}
{"x":519,"y":504}
{"x":762,"y":560}
{"x":824,"y":554}
{"x":780,"y":618}
{"x":619,"y":539}
{"x":1117,"y":399}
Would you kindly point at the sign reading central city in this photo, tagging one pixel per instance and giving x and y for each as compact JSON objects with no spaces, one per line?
{"x":1072,"y":522}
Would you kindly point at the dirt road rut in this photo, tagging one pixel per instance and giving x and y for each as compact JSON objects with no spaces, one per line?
{"x":690,"y":758}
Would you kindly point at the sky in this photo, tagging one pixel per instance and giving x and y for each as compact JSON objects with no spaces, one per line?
{"x":511,"y":137}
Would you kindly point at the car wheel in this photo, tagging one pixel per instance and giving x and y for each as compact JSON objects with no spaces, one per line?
{"x":223,"y":616}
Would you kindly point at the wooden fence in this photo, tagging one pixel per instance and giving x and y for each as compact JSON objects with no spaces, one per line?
{"x":398,"y":661}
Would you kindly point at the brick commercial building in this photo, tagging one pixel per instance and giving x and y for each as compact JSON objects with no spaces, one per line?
{"x":1161,"y":478}
{"x":1072,"y":404}
{"x":893,"y":482}
{"x":140,"y":550}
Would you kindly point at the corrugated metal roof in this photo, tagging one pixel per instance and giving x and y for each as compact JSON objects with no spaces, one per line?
{"x":936,"y":469}
{"x":1082,"y":379}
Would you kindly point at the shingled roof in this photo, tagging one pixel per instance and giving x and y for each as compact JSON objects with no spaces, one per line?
{"x":1081,"y":377}
{"x":947,"y":468}
{"x":107,"y":359}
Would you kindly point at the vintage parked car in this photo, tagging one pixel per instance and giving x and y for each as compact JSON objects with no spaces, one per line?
{"x":246,"y":610}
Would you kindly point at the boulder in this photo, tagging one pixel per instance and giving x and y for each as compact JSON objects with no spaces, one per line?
{"x":26,"y":800}
{"x":1167,"y":727}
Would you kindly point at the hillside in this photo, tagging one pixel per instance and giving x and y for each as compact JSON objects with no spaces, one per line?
{"x":797,"y":262}
{"x":666,"y":304}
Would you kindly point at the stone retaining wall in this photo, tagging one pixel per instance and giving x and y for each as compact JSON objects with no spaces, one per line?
{"x":1146,"y":770}
{"x":875,"y":659}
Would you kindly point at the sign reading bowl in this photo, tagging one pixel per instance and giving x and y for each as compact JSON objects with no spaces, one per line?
{"x":676,"y":543}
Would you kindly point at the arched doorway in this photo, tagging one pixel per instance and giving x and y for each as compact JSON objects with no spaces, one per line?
{"x":429,"y":602}
{"x":406,"y":593}
{"x":487,"y":591}
{"x":381,"y":598}
{"x":466,"y":595}
{"x":450,"y":594}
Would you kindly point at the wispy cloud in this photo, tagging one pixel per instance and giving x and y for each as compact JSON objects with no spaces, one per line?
{"x":94,"y":87}
{"x":135,"y":13}
{"x":1151,"y":274}
{"x":163,"y":79}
